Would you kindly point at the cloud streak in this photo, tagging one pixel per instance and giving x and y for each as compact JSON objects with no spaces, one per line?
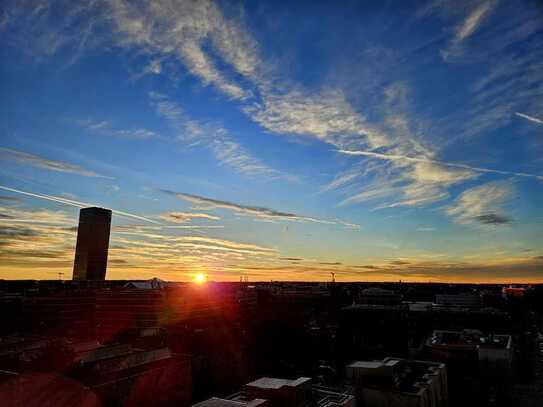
{"x":467,"y":27}
{"x":51,"y":165}
{"x":105,"y":128}
{"x":483,"y":204}
{"x":473,"y":20}
{"x":395,"y":157}
{"x":184,"y":217}
{"x":183,"y":31}
{"x":214,"y":137}
{"x":254,"y":211}
{"x":530,"y":118}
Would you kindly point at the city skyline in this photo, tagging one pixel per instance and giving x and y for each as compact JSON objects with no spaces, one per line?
{"x":275,"y":141}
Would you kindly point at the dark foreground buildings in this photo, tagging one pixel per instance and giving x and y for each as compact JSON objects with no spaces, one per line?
{"x":92,"y":244}
{"x":157,"y":343}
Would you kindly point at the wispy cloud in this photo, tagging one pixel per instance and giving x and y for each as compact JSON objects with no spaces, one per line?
{"x":183,"y":31}
{"x":504,"y":88}
{"x":222,"y":52}
{"x":483,"y":204}
{"x":530,"y":118}
{"x":31,"y":238}
{"x":467,"y":27}
{"x":213,"y":136}
{"x":473,"y":20}
{"x":341,"y":180}
{"x":184,"y":217}
{"x":104,"y":127}
{"x":52,"y":165}
{"x":325,"y":115}
{"x":426,"y":229}
{"x":71,"y":202}
{"x":254,"y":211}
{"x":395,"y":157}
{"x":27,"y":25}
{"x":393,"y":180}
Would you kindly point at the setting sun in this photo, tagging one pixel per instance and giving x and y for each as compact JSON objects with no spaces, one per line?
{"x":199,"y":278}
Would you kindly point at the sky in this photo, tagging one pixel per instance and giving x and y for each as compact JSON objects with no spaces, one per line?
{"x":378,"y":141}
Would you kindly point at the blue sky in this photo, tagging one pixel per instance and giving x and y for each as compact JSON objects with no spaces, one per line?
{"x":378,"y":141}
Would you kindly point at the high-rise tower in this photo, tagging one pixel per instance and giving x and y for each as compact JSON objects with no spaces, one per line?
{"x":92,"y":244}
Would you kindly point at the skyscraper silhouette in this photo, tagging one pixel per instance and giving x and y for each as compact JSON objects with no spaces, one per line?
{"x":92,"y":244}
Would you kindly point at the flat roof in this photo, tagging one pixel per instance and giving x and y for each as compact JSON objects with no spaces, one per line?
{"x":468,"y":338}
{"x":275,"y":383}
{"x":367,"y":364}
{"x":217,"y":402}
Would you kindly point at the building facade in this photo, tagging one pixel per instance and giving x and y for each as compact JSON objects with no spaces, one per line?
{"x":395,"y":382}
{"x":92,"y":244}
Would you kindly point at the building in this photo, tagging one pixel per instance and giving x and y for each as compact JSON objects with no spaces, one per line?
{"x":325,"y":397}
{"x":117,"y":374}
{"x":492,"y":353}
{"x":395,"y":382}
{"x":275,"y":392}
{"x":128,"y":312}
{"x":516,"y":292}
{"x":218,"y":402}
{"x":123,"y":375}
{"x":463,"y":300}
{"x":92,"y":244}
{"x":479,"y":366}
{"x":281,"y":392}
{"x":379,"y":296}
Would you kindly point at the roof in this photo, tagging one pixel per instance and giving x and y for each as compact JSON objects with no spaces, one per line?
{"x":217,"y":402}
{"x":377,"y":291}
{"x":366,"y":364}
{"x":402,"y":375}
{"x":468,"y":338}
{"x":274,"y":383}
{"x":146,"y":285}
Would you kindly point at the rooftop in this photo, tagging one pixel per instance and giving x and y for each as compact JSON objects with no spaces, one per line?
{"x":401,"y":375}
{"x":218,"y":402}
{"x":468,"y":338}
{"x":274,"y":383}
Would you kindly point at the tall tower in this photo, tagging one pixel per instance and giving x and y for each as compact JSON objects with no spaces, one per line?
{"x":92,"y":244}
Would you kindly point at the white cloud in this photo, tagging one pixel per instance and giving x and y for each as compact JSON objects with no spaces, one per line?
{"x":425,"y":165}
{"x":483,"y":204}
{"x":183,"y":29}
{"x":325,"y":115}
{"x":105,"y":128}
{"x":184,"y":217}
{"x":154,"y":67}
{"x":467,"y":27}
{"x":473,"y":20}
{"x":52,"y":165}
{"x":215,"y":137}
{"x":257,"y":212}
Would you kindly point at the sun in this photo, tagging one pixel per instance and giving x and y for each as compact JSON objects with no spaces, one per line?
{"x":199,"y":278}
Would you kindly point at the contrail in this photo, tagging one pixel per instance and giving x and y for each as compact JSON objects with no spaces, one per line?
{"x":75,"y":203}
{"x":531,"y":118}
{"x":396,"y":157}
